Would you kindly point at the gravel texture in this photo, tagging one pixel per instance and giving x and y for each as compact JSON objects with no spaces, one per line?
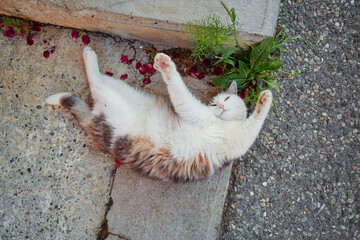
{"x":300,"y":180}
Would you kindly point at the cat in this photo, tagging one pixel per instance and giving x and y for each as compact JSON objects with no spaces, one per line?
{"x":185,"y":141}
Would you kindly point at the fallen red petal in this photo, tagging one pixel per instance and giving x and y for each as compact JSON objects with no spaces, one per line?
{"x":193,"y":74}
{"x":37,"y":27}
{"x":200,"y":75}
{"x":124,"y":77}
{"x":206,"y":62}
{"x":45,"y":41}
{"x":74,"y":34}
{"x":109,"y":74}
{"x":242,"y":94}
{"x":123,"y":59}
{"x":138,"y":65}
{"x":9,"y":32}
{"x":194,"y":69}
{"x":217,"y":70}
{"x":130,"y":61}
{"x":150,"y":68}
{"x":46,"y":54}
{"x":117,"y":162}
{"x":146,"y":80}
{"x":143,"y":69}
{"x":85,"y":39}
{"x":29,"y":40}
{"x":175,"y":54}
{"x":52,"y":51}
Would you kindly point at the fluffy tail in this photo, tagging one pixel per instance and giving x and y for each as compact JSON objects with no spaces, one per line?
{"x":75,"y":105}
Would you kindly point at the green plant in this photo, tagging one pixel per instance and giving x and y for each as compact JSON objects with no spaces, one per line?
{"x":210,"y":35}
{"x":253,"y":68}
{"x":248,"y":68}
{"x":22,"y":27}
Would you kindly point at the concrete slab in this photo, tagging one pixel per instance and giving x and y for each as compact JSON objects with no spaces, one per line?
{"x":156,"y":20}
{"x":149,"y":209}
{"x":52,"y":186}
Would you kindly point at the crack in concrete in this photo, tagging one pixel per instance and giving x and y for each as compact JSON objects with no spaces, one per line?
{"x":103,"y":232}
{"x":122,"y":237}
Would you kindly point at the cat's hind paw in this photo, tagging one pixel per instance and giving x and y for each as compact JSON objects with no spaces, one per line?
{"x":163,"y":63}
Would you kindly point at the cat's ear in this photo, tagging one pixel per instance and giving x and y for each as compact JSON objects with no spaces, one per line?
{"x":233,"y":88}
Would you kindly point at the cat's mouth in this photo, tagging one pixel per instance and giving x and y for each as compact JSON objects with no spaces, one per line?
{"x":222,"y":112}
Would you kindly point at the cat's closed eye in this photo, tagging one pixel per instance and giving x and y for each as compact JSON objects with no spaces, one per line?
{"x":213,"y":105}
{"x":227,"y":98}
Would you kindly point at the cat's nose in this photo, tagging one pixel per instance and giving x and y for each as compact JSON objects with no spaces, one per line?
{"x":221,"y":106}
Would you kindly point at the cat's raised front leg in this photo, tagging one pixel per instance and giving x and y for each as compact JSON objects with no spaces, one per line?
{"x":186,"y":105}
{"x":167,"y":67}
{"x":263,"y":105}
{"x":247,"y":131}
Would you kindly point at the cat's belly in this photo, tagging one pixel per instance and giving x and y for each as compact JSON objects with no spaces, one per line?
{"x":189,"y":141}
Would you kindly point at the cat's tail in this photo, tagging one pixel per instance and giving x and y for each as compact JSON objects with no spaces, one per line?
{"x":74,"y":104}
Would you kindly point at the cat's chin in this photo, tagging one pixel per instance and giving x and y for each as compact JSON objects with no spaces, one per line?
{"x":224,"y":116}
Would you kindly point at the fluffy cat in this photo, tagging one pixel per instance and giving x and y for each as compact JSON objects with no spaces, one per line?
{"x":186,"y":142}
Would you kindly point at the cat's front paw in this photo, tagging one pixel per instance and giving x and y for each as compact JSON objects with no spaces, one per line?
{"x":163,"y":63}
{"x":88,"y":53}
{"x":265,"y":97}
{"x":264,"y":103}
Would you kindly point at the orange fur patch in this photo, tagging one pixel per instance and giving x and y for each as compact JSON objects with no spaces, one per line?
{"x":142,"y":155}
{"x":99,"y":133}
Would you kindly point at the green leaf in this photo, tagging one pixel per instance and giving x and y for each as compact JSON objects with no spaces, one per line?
{"x":231,"y":62}
{"x":221,"y":82}
{"x":271,"y":83}
{"x":269,"y":66}
{"x":229,"y":52}
{"x":261,"y":52}
{"x":226,"y":57}
{"x":243,"y":69}
{"x":7,"y":21}
{"x":225,"y":81}
{"x":16,"y":22}
{"x":233,"y":16}
{"x":247,"y":100}
{"x":236,"y":76}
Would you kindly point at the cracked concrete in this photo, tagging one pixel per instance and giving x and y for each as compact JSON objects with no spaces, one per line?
{"x":52,"y":185}
{"x":149,"y":209}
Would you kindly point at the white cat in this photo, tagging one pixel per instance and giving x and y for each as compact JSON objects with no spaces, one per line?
{"x":183,"y":142}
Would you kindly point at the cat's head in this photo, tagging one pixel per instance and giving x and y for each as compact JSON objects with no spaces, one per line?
{"x":228,"y":105}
